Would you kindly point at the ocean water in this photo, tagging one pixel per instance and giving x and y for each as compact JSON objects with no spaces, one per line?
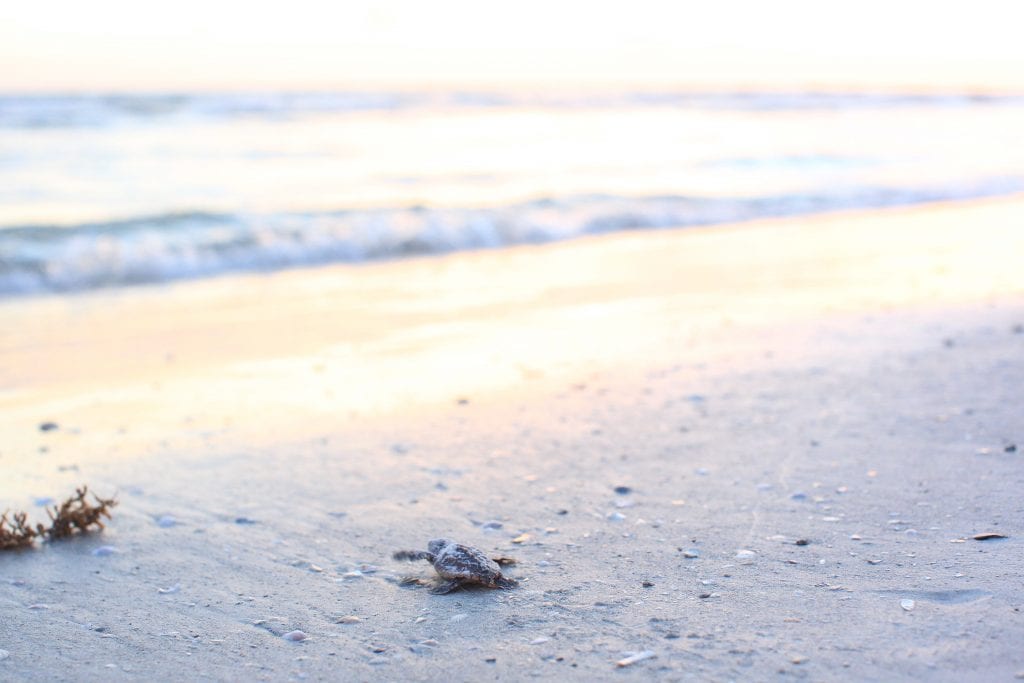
{"x":110,"y":190}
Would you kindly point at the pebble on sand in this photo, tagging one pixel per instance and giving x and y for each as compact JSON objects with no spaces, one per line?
{"x":907,"y":604}
{"x":295,"y":636}
{"x":349,"y":619}
{"x":166,"y":521}
{"x":48,"y":426}
{"x":104,"y":551}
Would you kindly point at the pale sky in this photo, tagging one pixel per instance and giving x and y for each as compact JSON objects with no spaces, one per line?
{"x":322,"y":44}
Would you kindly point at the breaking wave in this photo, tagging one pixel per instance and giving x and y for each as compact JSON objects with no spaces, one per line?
{"x":61,"y":258}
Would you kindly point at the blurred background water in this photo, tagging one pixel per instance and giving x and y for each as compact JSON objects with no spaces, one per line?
{"x":106,"y":190}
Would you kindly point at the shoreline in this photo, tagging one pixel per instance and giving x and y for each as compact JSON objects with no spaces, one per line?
{"x":743,"y":382}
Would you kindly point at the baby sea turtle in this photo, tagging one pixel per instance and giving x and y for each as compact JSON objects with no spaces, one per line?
{"x":460,"y":565}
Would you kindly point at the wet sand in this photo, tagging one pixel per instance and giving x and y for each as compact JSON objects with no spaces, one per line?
{"x":848,"y":382}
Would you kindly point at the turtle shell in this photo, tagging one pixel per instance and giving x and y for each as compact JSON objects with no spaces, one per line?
{"x":454,"y":561}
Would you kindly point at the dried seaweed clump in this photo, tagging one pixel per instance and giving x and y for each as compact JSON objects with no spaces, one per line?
{"x":75,"y":515}
{"x":15,"y":533}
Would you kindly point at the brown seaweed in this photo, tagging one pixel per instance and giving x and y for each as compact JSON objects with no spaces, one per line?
{"x":15,"y":533}
{"x":76,"y":515}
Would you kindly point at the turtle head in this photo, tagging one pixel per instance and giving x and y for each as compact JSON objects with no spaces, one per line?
{"x":436,"y":545}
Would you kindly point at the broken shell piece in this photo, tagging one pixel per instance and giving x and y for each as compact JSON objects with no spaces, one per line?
{"x":746,"y":556}
{"x":634,"y":658}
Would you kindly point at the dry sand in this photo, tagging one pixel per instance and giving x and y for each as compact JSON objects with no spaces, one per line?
{"x":850,"y":381}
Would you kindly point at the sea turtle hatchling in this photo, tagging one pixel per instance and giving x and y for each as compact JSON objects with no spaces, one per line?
{"x":460,"y":565}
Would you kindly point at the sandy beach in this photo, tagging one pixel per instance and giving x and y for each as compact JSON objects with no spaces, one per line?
{"x":749,"y":452}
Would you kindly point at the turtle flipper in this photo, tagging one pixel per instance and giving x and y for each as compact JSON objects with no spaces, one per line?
{"x":445,"y":587}
{"x":413,"y":555}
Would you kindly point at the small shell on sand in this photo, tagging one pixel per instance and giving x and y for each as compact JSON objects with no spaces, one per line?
{"x":746,"y":556}
{"x":634,"y":658}
{"x":295,"y":636}
{"x":907,"y":604}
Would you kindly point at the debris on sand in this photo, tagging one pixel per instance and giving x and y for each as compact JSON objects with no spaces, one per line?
{"x":76,"y":515}
{"x":634,"y":658}
{"x":989,"y":536}
{"x":15,"y":533}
